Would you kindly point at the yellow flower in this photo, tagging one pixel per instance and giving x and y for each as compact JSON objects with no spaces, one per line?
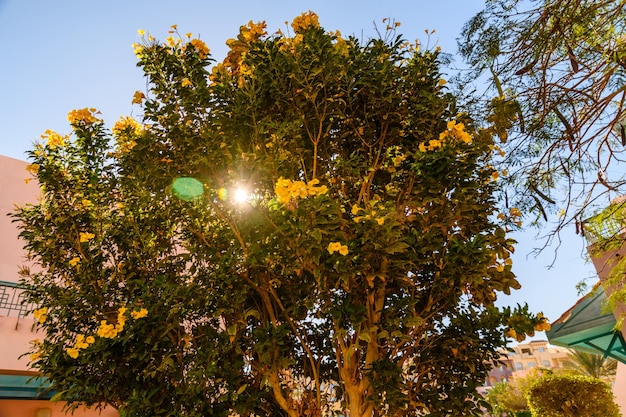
{"x":333,"y":247}
{"x":138,"y":97}
{"x":72,"y":352}
{"x":355,"y":209}
{"x":86,"y":237}
{"x":337,"y":247}
{"x":380,"y":220}
{"x":186,"y":82}
{"x":141,"y":32}
{"x":434,"y":144}
{"x":53,"y":139}
{"x":200,"y":46}
{"x":35,"y":356}
{"x":85,"y":116}
{"x":305,"y":21}
{"x":138,"y":314}
{"x":422,"y":147}
{"x":511,"y":333}
{"x":106,"y":330}
{"x":74,"y":261}
{"x":41,"y":314}
{"x":90,"y":339}
{"x":287,"y":190}
{"x":137,"y":49}
{"x":32,"y":168}
{"x":515,"y":212}
{"x":80,"y":342}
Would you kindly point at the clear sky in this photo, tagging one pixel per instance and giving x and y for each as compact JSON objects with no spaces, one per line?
{"x":68,"y":54}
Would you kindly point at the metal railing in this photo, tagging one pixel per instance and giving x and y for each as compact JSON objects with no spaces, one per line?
{"x":13,"y":301}
{"x":607,"y":225}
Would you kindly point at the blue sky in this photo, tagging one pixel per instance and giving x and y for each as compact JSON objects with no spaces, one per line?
{"x":67,"y":54}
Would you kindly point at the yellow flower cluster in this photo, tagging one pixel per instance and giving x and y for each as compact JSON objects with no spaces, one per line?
{"x":41,"y":314}
{"x":85,"y":237}
{"x":337,"y":247}
{"x":127,"y":125}
{"x":371,"y":216}
{"x":457,"y":131}
{"x":124,"y":130}
{"x":37,"y":353}
{"x":543,"y":325}
{"x":305,"y":21}
{"x":138,"y":97}
{"x":74,"y":261}
{"x":453,"y":130}
{"x":139,"y":314}
{"x":86,"y":116}
{"x":514,"y":214}
{"x":53,"y":139}
{"x":238,"y":48}
{"x":200,"y":46}
{"x":32,"y":168}
{"x":109,"y":331}
{"x":287,"y":190}
{"x":81,"y":342}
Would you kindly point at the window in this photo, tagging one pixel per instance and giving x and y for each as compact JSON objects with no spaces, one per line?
{"x":531,"y":364}
{"x":519,"y":366}
{"x":527,"y":351}
{"x":545,"y":363}
{"x":541,"y":349}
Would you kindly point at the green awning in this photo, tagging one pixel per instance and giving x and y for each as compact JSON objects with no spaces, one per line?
{"x":588,"y":327}
{"x":24,"y":387}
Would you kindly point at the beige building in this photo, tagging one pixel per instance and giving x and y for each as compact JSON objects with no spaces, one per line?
{"x":525,"y":357}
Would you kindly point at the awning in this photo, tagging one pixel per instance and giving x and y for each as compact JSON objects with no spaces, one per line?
{"x":24,"y":387}
{"x":588,"y":327}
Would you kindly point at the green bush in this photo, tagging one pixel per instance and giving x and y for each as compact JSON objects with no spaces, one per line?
{"x":571,"y":396}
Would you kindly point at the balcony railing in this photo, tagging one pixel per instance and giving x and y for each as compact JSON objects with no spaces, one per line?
{"x":609,"y":225}
{"x":13,"y":301}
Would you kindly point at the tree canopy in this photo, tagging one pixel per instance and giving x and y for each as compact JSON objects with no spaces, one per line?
{"x":563,"y":395}
{"x":556,"y":72}
{"x":356,"y":274}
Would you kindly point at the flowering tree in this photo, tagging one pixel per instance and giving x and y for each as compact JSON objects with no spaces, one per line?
{"x":356,"y":276}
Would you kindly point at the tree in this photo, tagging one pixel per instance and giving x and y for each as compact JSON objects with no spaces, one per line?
{"x":556,"y":72}
{"x":358,"y":276}
{"x":593,"y":365}
{"x":562,"y":395}
{"x":509,"y":397}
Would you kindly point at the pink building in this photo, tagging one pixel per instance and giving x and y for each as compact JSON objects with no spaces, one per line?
{"x":19,"y":395}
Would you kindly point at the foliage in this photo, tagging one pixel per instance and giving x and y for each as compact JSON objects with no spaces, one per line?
{"x":509,"y":397}
{"x":562,"y":395}
{"x":358,"y":277}
{"x":557,"y":68}
{"x":593,"y":365}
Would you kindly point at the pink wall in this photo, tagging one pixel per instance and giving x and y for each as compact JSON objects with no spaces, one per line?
{"x":16,"y":337}
{"x":13,"y":190}
{"x":34,"y":408}
{"x":16,"y":334}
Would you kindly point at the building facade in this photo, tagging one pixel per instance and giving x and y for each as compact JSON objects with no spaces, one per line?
{"x":525,"y":357}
